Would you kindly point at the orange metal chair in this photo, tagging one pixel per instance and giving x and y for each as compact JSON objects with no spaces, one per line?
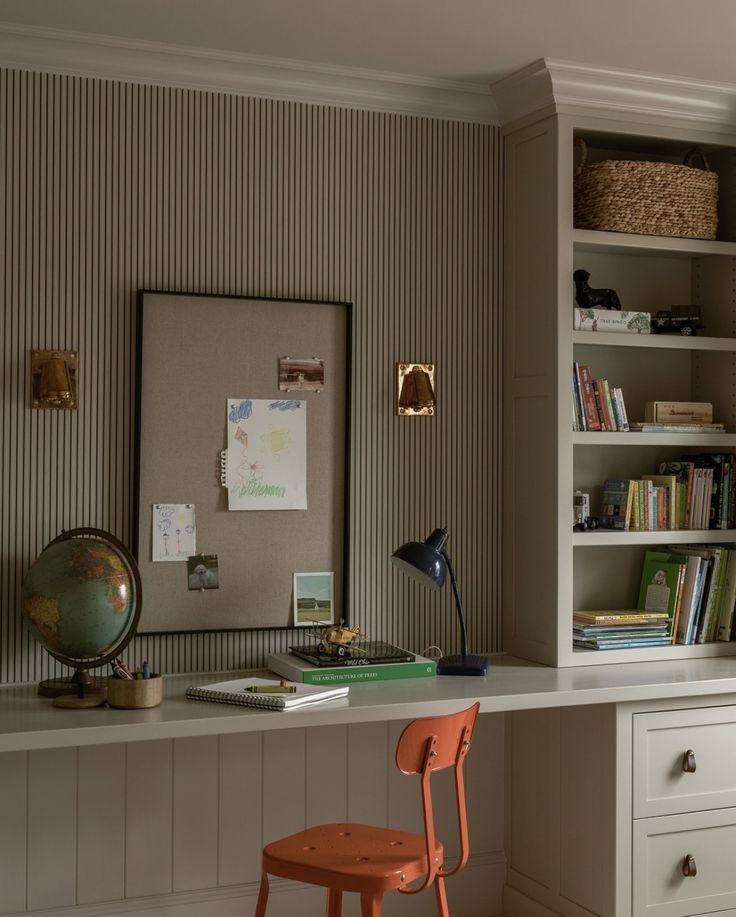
{"x":371,"y":860}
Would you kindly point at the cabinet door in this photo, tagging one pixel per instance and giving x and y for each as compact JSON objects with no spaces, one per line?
{"x":684,"y":864}
{"x":684,"y":761}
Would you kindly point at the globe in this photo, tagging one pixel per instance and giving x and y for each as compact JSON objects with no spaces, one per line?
{"x":81,"y":601}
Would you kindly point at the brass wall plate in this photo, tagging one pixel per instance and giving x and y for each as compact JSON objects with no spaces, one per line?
{"x":415,"y":392}
{"x":54,"y":379}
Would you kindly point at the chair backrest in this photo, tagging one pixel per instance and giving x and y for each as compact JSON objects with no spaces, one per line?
{"x":431,"y":744}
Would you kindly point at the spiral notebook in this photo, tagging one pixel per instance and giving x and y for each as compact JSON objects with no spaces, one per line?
{"x":266,"y":693}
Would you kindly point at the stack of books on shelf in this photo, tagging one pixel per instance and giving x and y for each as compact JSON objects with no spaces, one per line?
{"x":596,"y":405}
{"x":698,"y":492}
{"x":644,"y":426}
{"x":617,"y":630}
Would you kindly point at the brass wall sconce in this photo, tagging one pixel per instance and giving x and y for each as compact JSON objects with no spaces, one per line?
{"x":54,"y":379}
{"x":415,"y":389}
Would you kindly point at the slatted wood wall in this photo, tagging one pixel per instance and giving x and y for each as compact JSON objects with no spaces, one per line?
{"x":110,"y":187}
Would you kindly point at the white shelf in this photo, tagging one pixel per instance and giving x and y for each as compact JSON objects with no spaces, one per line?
{"x":652,"y":654}
{"x":657,"y":341}
{"x":687,"y":536}
{"x":727,"y":440}
{"x":591,"y":240}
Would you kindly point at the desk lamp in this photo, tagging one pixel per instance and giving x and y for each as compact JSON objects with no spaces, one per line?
{"x":427,"y":562}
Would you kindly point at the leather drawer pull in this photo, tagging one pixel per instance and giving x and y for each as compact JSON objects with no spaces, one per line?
{"x":689,"y":866}
{"x":688,"y":762}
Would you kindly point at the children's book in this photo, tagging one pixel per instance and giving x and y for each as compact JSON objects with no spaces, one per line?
{"x":661,"y":582}
{"x":616,"y":504}
{"x":688,"y":604}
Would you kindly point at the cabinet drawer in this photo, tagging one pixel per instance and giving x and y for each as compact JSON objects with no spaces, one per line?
{"x":664,"y":782}
{"x":661,"y":847}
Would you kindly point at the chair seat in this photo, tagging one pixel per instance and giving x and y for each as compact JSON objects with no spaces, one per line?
{"x":350,"y":857}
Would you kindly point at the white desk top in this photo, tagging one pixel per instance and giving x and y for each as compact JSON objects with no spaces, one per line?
{"x":29,"y":722}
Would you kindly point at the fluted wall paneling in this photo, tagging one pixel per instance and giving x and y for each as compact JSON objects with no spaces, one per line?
{"x":111,"y":187}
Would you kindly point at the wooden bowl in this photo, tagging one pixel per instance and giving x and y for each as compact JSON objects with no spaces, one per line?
{"x":140,"y":692}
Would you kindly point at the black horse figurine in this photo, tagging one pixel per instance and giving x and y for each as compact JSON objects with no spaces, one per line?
{"x":588,"y":298}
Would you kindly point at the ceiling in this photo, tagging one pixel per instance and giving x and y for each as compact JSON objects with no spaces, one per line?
{"x":475,"y":41}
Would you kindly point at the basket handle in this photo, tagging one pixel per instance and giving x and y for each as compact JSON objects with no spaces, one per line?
{"x":693,"y":154}
{"x":583,"y":147}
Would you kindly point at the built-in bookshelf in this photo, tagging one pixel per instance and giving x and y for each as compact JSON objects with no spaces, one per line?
{"x":551,"y":570}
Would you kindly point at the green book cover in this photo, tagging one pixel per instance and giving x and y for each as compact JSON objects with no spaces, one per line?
{"x":295,"y":669}
{"x":661,"y":581}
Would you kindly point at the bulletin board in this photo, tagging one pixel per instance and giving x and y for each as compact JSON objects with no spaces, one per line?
{"x":194,"y":353}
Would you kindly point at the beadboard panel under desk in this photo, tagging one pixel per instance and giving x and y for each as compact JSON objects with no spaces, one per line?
{"x":180,"y":824}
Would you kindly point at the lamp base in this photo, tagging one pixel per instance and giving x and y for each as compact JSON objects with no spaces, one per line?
{"x":456,"y":665}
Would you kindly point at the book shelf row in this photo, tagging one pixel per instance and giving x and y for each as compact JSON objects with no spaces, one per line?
{"x":687,"y":597}
{"x":697,"y":492}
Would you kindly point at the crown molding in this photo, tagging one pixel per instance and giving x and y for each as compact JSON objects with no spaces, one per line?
{"x":562,"y":87}
{"x":105,"y":57}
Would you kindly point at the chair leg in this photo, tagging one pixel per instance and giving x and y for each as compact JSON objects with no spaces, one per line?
{"x":262,"y":897}
{"x":334,"y":902}
{"x":370,"y":905}
{"x":439,"y":890}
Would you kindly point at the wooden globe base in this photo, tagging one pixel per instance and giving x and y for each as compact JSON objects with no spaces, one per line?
{"x":77,"y":703}
{"x":80,"y":684}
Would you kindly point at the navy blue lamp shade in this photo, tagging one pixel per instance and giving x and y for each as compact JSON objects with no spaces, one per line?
{"x":428,"y":563}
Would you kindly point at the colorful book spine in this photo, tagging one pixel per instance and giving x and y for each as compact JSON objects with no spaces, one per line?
{"x":616,"y":504}
{"x":577,"y":397}
{"x":728,"y":599}
{"x":592,"y":421}
{"x":726,"y":486}
{"x":618,"y":411}
{"x":602,"y":405}
{"x":687,"y":605}
{"x":609,"y":406}
{"x":635,"y":520}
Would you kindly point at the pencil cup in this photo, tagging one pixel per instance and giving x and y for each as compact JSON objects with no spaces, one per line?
{"x":131,"y":694}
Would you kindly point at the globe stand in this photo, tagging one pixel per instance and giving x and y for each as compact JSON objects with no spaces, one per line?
{"x":70,"y":687}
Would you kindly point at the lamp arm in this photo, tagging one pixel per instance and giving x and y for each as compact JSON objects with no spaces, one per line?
{"x":460,"y":611}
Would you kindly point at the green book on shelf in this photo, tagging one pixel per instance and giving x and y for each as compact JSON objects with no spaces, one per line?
{"x":295,"y":669}
{"x":662,"y":577}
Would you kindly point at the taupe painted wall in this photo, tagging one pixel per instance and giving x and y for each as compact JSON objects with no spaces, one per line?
{"x":110,"y":187}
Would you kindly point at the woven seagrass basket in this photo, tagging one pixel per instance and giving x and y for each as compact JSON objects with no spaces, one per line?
{"x":650,"y":198}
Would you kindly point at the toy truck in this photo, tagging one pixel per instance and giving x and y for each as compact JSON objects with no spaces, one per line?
{"x":683,"y":320}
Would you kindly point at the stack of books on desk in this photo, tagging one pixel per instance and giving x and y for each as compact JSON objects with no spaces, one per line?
{"x":617,"y":630}
{"x":375,"y":662}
